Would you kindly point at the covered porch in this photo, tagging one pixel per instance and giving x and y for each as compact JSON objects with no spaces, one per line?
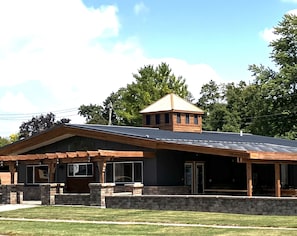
{"x":43,"y":170}
{"x":275,"y":160}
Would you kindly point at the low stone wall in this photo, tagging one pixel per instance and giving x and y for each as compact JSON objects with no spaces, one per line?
{"x":166,"y":190}
{"x":31,"y":193}
{"x":72,"y":199}
{"x":226,"y":204}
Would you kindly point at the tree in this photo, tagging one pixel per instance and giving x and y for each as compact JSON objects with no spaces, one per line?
{"x":38,"y":124}
{"x":151,"y":83}
{"x":279,"y":88}
{"x":93,"y":114}
{"x":223,"y":105}
{"x":4,"y":141}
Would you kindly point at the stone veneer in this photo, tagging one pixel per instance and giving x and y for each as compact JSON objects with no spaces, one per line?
{"x":226,"y":204}
{"x":48,"y":192}
{"x":12,"y":193}
{"x":166,"y":190}
{"x":72,"y":199}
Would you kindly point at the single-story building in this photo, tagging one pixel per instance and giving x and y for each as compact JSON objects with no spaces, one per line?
{"x":169,"y":154}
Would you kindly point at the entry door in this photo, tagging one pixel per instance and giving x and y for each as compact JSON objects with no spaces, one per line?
{"x":194,"y":176}
{"x":199,"y":178}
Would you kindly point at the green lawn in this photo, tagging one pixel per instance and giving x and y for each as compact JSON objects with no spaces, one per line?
{"x":92,"y":214}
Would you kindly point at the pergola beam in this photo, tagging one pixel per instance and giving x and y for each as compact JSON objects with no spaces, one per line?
{"x":78,"y":155}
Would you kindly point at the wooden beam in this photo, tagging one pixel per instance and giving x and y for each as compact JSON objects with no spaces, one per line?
{"x":249,"y":179}
{"x":102,"y":168}
{"x":79,"y":154}
{"x":117,"y":154}
{"x":12,"y":170}
{"x":242,"y":160}
{"x":52,"y":171}
{"x":273,"y":156}
{"x":277,"y":179}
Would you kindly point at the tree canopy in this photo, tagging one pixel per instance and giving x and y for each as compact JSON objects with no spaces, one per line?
{"x":151,"y":83}
{"x":38,"y":124}
{"x":266,"y":106}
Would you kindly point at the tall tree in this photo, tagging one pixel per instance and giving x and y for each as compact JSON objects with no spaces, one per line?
{"x":38,"y":124}
{"x":151,"y":83}
{"x":279,"y":88}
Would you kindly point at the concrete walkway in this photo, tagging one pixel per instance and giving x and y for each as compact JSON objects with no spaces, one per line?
{"x":11,"y":207}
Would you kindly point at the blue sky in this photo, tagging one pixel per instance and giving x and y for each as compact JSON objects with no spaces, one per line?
{"x":56,"y":55}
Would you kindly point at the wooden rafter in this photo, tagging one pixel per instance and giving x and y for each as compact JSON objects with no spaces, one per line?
{"x":101,"y":154}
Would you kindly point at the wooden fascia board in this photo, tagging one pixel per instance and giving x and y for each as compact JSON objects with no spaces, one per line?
{"x":204,"y":150}
{"x":129,"y":154}
{"x":242,"y":160}
{"x":273,"y":156}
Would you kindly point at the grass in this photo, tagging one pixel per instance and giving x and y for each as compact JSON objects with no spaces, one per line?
{"x":120,"y":215}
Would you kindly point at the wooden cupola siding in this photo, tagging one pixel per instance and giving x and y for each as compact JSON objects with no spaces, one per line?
{"x":173,"y":113}
{"x":173,"y":121}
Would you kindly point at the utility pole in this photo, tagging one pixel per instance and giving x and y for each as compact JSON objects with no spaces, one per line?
{"x":110,"y":113}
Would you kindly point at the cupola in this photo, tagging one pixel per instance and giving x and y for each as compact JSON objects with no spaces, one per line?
{"x":173,"y":113}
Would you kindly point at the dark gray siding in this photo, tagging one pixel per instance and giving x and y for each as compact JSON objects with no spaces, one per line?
{"x":82,"y":144}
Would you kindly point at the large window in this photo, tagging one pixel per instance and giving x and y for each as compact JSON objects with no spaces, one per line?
{"x":80,"y":170}
{"x":37,"y":174}
{"x":123,"y":172}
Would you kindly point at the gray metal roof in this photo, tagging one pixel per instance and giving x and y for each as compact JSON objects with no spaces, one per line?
{"x":222,"y":140}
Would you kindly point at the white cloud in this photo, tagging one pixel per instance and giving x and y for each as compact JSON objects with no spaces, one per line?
{"x":140,"y":8}
{"x":268,"y":35}
{"x":60,"y":45}
{"x":9,"y":101}
{"x":292,"y":1}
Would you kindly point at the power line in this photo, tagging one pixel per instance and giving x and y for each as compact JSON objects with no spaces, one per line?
{"x":21,"y":116}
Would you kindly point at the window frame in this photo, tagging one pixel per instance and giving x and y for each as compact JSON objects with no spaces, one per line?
{"x":187,"y":118}
{"x":178,"y":118}
{"x":157,"y":119}
{"x":34,"y":167}
{"x":148,"y":119}
{"x":80,"y":175}
{"x":166,"y":118}
{"x":196,"y":119}
{"x":114,"y":177}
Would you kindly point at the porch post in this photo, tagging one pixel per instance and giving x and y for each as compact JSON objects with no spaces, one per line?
{"x":12,"y":170}
{"x":52,"y":171}
{"x":277,"y":179}
{"x":249,"y":179}
{"x":102,"y":168}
